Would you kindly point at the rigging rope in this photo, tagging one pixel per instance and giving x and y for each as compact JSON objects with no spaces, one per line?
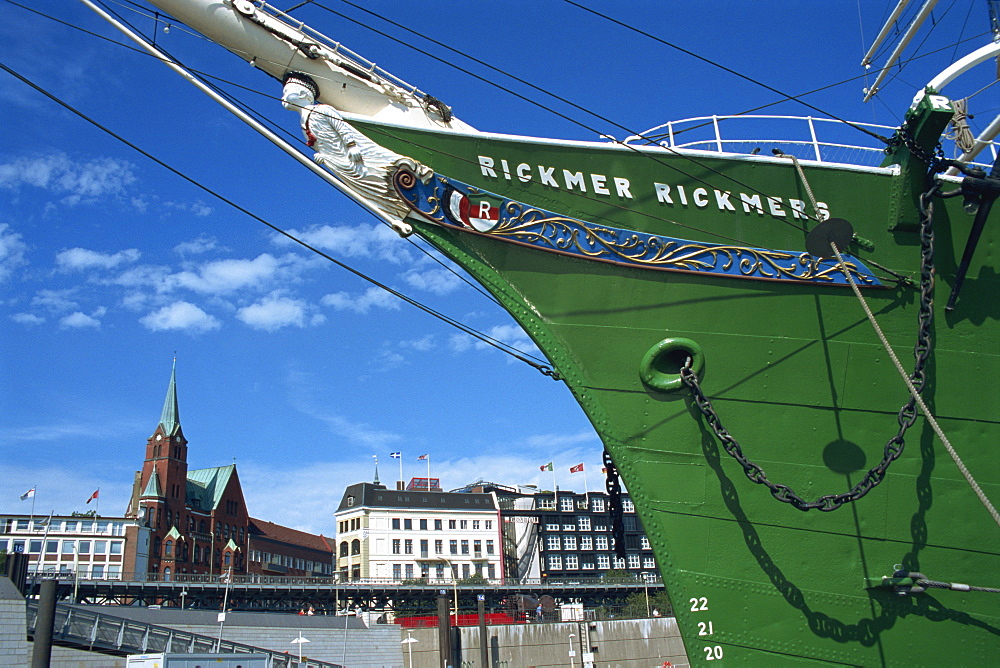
{"x":913,"y":390}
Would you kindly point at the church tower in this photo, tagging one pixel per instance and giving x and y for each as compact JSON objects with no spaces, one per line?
{"x":162,"y":485}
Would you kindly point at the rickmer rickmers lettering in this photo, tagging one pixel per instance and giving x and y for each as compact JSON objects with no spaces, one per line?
{"x":682,"y":195}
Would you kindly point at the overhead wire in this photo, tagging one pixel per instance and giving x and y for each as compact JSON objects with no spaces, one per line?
{"x":213,"y":81}
{"x":485,"y":338}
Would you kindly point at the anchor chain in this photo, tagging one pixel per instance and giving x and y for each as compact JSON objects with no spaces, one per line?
{"x":612,"y":483}
{"x":907,"y":414}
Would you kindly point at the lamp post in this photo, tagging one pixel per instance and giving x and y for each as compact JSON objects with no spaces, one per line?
{"x":572,"y":652}
{"x":228,"y":579}
{"x":298,"y":641}
{"x":409,"y":647}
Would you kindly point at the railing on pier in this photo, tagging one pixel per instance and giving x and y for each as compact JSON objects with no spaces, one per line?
{"x":108,"y":634}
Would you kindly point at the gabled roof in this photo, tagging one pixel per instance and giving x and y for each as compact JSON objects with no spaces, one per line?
{"x":263,"y":529}
{"x":205,"y":487}
{"x":369,"y":495}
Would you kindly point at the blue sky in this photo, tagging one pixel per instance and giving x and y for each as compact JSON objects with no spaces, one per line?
{"x":110,"y":265}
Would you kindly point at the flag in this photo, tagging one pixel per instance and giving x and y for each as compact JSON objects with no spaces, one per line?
{"x":576,"y":469}
{"x":94,"y":495}
{"x":604,"y":469}
{"x":422,"y":457}
{"x":545,"y":467}
{"x":395,"y":455}
{"x":27,"y":495}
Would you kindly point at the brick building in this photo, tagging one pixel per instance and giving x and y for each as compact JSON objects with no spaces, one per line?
{"x":198,"y":519}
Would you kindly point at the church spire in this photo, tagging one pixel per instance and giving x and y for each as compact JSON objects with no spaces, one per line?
{"x":170,"y":418}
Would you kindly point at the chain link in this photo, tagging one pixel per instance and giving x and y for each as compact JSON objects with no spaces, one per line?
{"x":907,"y":414}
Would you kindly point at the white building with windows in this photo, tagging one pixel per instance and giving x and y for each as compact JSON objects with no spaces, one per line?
{"x":93,"y":547}
{"x":417,"y":534}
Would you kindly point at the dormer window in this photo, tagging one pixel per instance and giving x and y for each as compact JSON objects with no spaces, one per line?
{"x":350,"y":501}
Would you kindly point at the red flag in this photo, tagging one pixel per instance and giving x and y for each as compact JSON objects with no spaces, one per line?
{"x":576,"y":469}
{"x":94,"y":495}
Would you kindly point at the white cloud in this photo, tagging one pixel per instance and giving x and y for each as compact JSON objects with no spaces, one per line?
{"x":76,"y":181}
{"x":274,"y":312}
{"x":80,"y":320}
{"x":197,"y":246}
{"x":55,"y":300}
{"x":224,"y":276}
{"x":371,"y":298}
{"x":81,"y":259}
{"x":510,"y":335}
{"x":438,"y":281}
{"x":12,"y":250}
{"x":180,"y":316}
{"x":371,"y":241}
{"x":27,"y":319}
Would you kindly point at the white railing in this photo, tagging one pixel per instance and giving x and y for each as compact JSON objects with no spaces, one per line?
{"x":806,"y":137}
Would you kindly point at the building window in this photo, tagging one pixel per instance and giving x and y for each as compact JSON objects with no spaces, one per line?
{"x":553,"y":543}
{"x":489,"y":525}
{"x":569,"y":542}
{"x":168,"y":548}
{"x":475,"y":525}
{"x":465,"y":547}
{"x":569,"y":526}
{"x":97,"y":572}
{"x":619,"y":563}
{"x":583,"y":523}
{"x":545,"y":503}
{"x":423,"y":548}
{"x":601,"y":542}
{"x":552,"y":526}
{"x":643,"y":542}
{"x":633,"y":561}
{"x":407,"y":524}
{"x":555,"y":562}
{"x":627,"y":505}
{"x":395,"y":523}
{"x":51,"y":547}
{"x":477,"y":547}
{"x":437,"y":525}
{"x":453,"y":545}
{"x":408,"y":546}
{"x":587,"y":564}
{"x":452,"y":524}
{"x":355,"y":546}
{"x":489,"y":547}
{"x":439,"y":547}
{"x":396,"y":546}
{"x":116,"y":547}
{"x":597,"y":504}
{"x":629,"y":522}
{"x":464,"y":524}
{"x":343,"y":549}
{"x":491,"y":571}
{"x":566,"y":504}
{"x":572,"y":563}
{"x":409,"y":571}
{"x":603,"y":562}
{"x":648,"y":562}
{"x":586,"y":542}
{"x":397,"y":571}
{"x":439,"y":571}
{"x":68,"y":546}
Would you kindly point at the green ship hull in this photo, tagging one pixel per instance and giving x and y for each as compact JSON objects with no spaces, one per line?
{"x":792,"y":367}
{"x":800,"y":379}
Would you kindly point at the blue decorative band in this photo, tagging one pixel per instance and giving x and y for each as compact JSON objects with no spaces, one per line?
{"x":457,"y":205}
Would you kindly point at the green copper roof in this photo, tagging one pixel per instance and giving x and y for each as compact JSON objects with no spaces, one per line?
{"x":170,"y":418}
{"x":153,"y":487}
{"x":206,"y":486}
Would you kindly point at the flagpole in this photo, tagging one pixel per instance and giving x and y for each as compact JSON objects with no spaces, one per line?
{"x":400,"y":486}
{"x":555,"y":489}
{"x":97,"y":506}
{"x":586,"y":487}
{"x":428,"y":472}
{"x":34,"y":493}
